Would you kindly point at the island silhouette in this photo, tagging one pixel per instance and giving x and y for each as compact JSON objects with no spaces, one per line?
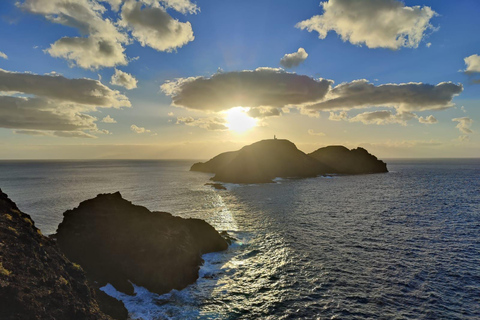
{"x":265,"y":160}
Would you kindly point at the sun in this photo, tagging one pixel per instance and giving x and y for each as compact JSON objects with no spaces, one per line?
{"x":238,"y":121}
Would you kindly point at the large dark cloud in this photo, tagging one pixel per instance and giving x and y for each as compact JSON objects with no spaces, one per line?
{"x":40,"y":114}
{"x":262,"y":87}
{"x":81,"y":91}
{"x":59,"y":105}
{"x":404,"y":96}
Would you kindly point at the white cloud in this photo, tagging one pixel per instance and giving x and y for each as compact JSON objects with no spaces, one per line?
{"x":89,"y":53}
{"x":170,"y":114}
{"x":212,"y":124}
{"x":3,"y":55}
{"x":114,"y":4}
{"x":108,"y":119}
{"x":473,"y":63}
{"x":375,"y":23}
{"x":342,"y":115}
{"x":154,"y":27}
{"x":292,"y":60}
{"x":136,"y":129}
{"x":404,"y":96}
{"x":263,"y":87}
{"x":183,"y":6}
{"x":464,"y":124}
{"x":103,"y":45}
{"x":428,"y":120}
{"x":313,"y":133}
{"x":123,"y":79}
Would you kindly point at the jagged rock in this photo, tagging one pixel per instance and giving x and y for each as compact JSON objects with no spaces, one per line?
{"x":36,"y":280}
{"x":120,"y":243}
{"x":265,"y":160}
{"x":217,"y":186}
{"x":355,"y":161}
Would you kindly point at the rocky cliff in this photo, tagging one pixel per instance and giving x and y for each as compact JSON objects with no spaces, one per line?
{"x":345,"y":161}
{"x":120,"y":243}
{"x":36,"y":280}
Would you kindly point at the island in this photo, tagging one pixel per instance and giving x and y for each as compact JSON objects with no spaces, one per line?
{"x":265,"y":160}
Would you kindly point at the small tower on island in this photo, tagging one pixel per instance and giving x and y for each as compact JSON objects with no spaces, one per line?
{"x":274,"y":137}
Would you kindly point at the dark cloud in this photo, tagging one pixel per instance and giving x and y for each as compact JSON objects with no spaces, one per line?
{"x":263,"y":87}
{"x":81,"y":91}
{"x":404,"y":96}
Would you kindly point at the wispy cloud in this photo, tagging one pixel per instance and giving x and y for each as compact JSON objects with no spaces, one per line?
{"x":124,"y":79}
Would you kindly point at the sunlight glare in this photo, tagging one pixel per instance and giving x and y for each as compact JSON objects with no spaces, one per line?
{"x":238,"y":120}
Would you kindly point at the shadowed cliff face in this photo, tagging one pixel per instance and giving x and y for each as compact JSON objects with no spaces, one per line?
{"x":355,"y":161}
{"x":117,"y":242}
{"x":261,"y":162}
{"x":36,"y":280}
{"x":267,"y":159}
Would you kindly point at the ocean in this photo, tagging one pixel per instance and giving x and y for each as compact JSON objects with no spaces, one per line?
{"x":400,"y":245}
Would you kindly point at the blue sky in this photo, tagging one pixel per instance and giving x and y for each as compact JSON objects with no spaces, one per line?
{"x":235,"y":36}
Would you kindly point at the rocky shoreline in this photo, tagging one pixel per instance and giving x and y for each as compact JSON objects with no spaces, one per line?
{"x":105,"y":240}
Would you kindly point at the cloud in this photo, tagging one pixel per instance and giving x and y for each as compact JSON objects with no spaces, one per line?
{"x":313,"y":133}
{"x":123,"y":79}
{"x":80,"y":91}
{"x":89,"y":53}
{"x":114,"y":4}
{"x":342,"y":115}
{"x":405,"y":96}
{"x":464,"y":124}
{"x":108,"y":119}
{"x":292,"y":60}
{"x":41,"y":114}
{"x":473,"y":63}
{"x":263,"y":112}
{"x":136,"y":129}
{"x":428,"y":120}
{"x":212,"y":124}
{"x":383,"y":117}
{"x":53,"y":103}
{"x":375,"y":23}
{"x":183,"y":6}
{"x":263,"y":87}
{"x":103,"y":45}
{"x":170,"y":114}
{"x":154,"y":27}
{"x":63,"y":134}
{"x":3,"y":55}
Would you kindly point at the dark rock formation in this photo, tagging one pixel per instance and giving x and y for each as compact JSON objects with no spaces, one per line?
{"x":261,"y":162}
{"x":355,"y":161}
{"x":36,"y":280}
{"x":120,"y":243}
{"x":267,"y":159}
{"x":217,"y":186}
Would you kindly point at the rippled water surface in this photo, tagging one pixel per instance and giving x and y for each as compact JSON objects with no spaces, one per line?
{"x":402,"y":245}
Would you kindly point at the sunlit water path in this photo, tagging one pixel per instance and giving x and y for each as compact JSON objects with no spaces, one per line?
{"x":402,"y":245}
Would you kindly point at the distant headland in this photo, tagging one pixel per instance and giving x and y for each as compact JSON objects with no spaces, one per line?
{"x":265,"y":160}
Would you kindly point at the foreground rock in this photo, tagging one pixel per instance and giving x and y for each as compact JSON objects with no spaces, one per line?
{"x":344,"y":161}
{"x":265,"y":160}
{"x":261,"y":162}
{"x":120,"y":243}
{"x":36,"y":280}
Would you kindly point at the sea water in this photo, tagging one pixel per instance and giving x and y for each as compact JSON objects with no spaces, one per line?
{"x":400,"y":245}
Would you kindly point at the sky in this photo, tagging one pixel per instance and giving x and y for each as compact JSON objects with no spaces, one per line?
{"x":178,"y":79}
